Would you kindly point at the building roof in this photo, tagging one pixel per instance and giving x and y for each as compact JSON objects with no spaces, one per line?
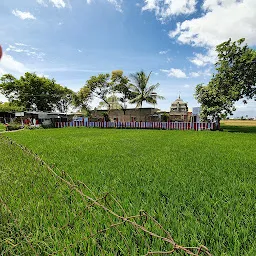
{"x":179,"y":101}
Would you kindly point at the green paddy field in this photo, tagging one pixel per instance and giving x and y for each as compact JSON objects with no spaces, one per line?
{"x":200,"y":186}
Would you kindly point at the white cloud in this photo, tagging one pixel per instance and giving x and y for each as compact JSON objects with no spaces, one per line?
{"x":186,"y":86}
{"x":20,"y":44}
{"x":26,"y":49}
{"x":201,"y":73}
{"x":60,"y":23}
{"x":194,"y":74}
{"x":116,"y":3}
{"x":9,"y":65}
{"x":163,"y":52}
{"x":2,"y":72}
{"x":150,"y":5}
{"x":167,"y":8}
{"x":42,"y":2}
{"x":212,"y":4}
{"x":223,"y":19}
{"x":245,"y":109}
{"x":58,"y":3}
{"x":80,"y":50}
{"x":174,"y":72}
{"x":42,"y":75}
{"x":23,"y":15}
{"x":201,"y":60}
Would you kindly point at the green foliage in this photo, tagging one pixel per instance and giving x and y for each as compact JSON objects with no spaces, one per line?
{"x":165,"y":117}
{"x":13,"y":126}
{"x":97,"y":86}
{"x":106,"y":117}
{"x":122,"y":86}
{"x":7,"y":107}
{"x":235,"y":79}
{"x":113,"y":101}
{"x":33,"y":127}
{"x":116,"y":92}
{"x":32,"y":92}
{"x":48,"y":126}
{"x":141,"y":92}
{"x":201,"y":195}
{"x":67,"y":99}
{"x":83,"y":99}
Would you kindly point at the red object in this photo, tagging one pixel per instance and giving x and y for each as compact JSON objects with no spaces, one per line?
{"x":1,"y":52}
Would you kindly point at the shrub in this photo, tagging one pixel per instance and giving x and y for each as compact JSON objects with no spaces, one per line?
{"x":13,"y":126}
{"x":48,"y":126}
{"x":32,"y":127}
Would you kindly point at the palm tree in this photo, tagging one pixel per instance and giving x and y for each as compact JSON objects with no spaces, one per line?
{"x":141,"y":92}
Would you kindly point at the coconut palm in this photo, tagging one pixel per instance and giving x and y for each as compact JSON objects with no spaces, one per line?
{"x":141,"y":91}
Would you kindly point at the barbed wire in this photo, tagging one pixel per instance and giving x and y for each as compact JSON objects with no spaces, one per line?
{"x":145,"y":227}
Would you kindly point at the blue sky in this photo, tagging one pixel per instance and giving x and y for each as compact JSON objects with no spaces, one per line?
{"x":71,"y":40}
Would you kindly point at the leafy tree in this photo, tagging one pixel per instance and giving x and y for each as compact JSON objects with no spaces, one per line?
{"x":122,"y":86}
{"x":235,"y":79}
{"x":213,"y":103}
{"x":97,"y":86}
{"x":113,"y":101}
{"x":83,"y":98}
{"x":141,"y":91}
{"x":66,"y":101}
{"x":7,"y":107}
{"x":33,"y":92}
{"x":165,"y":117}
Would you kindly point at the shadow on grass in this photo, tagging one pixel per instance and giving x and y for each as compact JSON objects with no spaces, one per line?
{"x":242,"y":129}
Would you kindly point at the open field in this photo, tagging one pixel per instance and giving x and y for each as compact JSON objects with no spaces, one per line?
{"x":239,"y":122}
{"x":244,"y":126}
{"x":199,"y":185}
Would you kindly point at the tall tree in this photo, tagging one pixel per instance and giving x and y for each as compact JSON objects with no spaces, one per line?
{"x":113,"y":101}
{"x":83,"y":98}
{"x":97,"y":86}
{"x":32,"y":92}
{"x":122,"y":86}
{"x":7,"y":107}
{"x":67,"y":100}
{"x":141,"y":91}
{"x":235,"y":79}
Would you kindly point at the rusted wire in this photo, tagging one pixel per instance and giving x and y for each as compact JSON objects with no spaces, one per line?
{"x":124,"y":219}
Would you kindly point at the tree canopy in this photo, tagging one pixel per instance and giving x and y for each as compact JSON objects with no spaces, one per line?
{"x":7,"y":107}
{"x":97,"y":86}
{"x":119,"y":88}
{"x":32,"y":92}
{"x":234,"y":80}
{"x":122,"y":86}
{"x":112,"y":100}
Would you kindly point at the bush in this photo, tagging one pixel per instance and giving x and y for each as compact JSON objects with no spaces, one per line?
{"x":13,"y":126}
{"x":32,"y":127}
{"x":48,"y":126}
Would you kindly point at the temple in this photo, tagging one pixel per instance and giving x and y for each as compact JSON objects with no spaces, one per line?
{"x":179,"y":111}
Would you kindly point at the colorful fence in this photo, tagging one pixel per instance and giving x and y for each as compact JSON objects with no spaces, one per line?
{"x":140,"y":125}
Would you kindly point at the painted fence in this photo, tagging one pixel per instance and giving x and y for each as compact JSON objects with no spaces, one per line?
{"x":140,"y":125}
